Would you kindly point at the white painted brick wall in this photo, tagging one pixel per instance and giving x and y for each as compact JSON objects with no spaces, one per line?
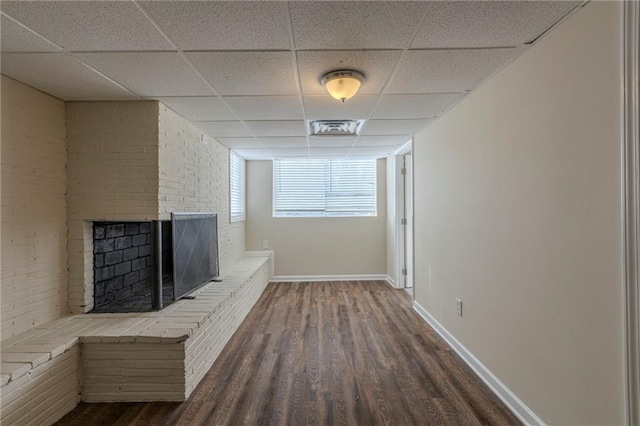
{"x":33,"y":226}
{"x":45,"y":395}
{"x":112,"y":175}
{"x":194,"y":177}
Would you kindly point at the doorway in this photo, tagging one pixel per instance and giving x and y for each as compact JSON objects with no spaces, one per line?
{"x":404,"y":210}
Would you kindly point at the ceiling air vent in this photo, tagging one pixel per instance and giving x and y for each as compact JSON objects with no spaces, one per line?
{"x":335,"y":127}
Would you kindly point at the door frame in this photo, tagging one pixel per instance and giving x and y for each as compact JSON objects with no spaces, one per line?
{"x":399,"y":208}
{"x":631,"y":205}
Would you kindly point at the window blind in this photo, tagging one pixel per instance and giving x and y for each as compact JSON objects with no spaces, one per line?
{"x":315,"y":187}
{"x":236,"y":188}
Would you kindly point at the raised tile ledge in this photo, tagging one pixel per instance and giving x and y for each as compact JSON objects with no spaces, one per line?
{"x":175,"y":324}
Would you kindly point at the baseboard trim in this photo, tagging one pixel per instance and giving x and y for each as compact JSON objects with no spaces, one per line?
{"x":390,"y":281}
{"x":310,"y":278}
{"x":515,"y":404}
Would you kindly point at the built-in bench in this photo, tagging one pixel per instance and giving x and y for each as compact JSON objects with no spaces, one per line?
{"x":153,"y":356}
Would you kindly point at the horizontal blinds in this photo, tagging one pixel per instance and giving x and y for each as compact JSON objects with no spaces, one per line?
{"x":237,"y":186}
{"x":324,"y":187}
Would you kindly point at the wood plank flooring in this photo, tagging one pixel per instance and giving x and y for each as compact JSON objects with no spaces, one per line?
{"x":327,"y":353}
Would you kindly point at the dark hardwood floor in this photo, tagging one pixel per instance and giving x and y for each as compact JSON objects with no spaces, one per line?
{"x":323,"y":354}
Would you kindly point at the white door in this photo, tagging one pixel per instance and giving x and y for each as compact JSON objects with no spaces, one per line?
{"x":408,"y":215}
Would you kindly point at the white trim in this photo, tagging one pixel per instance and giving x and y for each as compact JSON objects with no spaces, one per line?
{"x":404,"y":149}
{"x":631,"y":207}
{"x":399,"y":216}
{"x":390,"y":281}
{"x":314,"y":278}
{"x":515,"y":404}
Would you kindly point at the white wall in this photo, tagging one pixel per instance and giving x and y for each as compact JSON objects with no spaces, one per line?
{"x":518,"y":213}
{"x":34,"y":215}
{"x":315,"y":246}
{"x":194,"y":177}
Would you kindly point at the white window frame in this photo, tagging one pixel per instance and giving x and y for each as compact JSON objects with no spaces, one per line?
{"x":326,"y":212}
{"x":237,"y":186}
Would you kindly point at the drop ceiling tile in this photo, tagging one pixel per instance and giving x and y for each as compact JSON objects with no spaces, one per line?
{"x":16,"y":38}
{"x":89,"y":25}
{"x":415,"y":106}
{"x":266,"y":107}
{"x":488,"y":23}
{"x":372,"y":151}
{"x":354,"y":24}
{"x":375,"y":65}
{"x":247,"y":73}
{"x":327,"y":108}
{"x":223,"y":129}
{"x":219,"y":25}
{"x":393,"y":127}
{"x":277,"y":128}
{"x":329,"y":152}
{"x":149,"y":73}
{"x":388,"y":140}
{"x":61,"y":76}
{"x":290,"y":152}
{"x":331,"y":141}
{"x":284,"y":142}
{"x":441,"y":71}
{"x":237,"y":143}
{"x":209,"y":108}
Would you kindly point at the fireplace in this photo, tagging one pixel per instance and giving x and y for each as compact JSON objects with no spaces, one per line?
{"x":144,"y":266}
{"x":123,"y":264}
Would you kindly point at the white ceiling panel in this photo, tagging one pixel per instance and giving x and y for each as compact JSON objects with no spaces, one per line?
{"x":266,"y":107}
{"x":62,"y":76}
{"x":240,"y":143}
{"x":375,"y":65}
{"x":89,"y":25}
{"x":149,"y":74}
{"x":221,"y":25}
{"x":223,"y":129}
{"x":247,"y":73}
{"x":488,"y":23}
{"x":415,"y":106}
{"x":327,"y":108}
{"x":372,"y":151}
{"x":354,"y":24}
{"x":16,"y":38}
{"x":441,"y":71}
{"x":199,"y":108}
{"x":329,"y":152}
{"x":290,"y":152}
{"x":386,"y":140}
{"x":277,"y":128}
{"x":332,"y":141}
{"x":281,"y":142}
{"x":393,"y":127}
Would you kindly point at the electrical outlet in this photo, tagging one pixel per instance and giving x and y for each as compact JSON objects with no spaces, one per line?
{"x":265,"y":244}
{"x":459,"y":307}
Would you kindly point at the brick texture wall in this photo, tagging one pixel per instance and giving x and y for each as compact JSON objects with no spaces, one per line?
{"x":113,"y":175}
{"x":194,"y":177}
{"x":33,"y":226}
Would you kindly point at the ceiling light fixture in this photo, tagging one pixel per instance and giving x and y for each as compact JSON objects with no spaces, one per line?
{"x":342,"y":84}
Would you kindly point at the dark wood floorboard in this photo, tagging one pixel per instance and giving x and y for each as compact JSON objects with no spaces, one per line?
{"x":327,"y":353}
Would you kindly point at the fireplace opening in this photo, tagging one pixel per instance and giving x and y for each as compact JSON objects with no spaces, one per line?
{"x":145,"y":266}
{"x":123,"y":264}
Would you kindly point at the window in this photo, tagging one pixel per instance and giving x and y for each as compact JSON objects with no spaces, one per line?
{"x":236,"y":188}
{"x":313,"y":188}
